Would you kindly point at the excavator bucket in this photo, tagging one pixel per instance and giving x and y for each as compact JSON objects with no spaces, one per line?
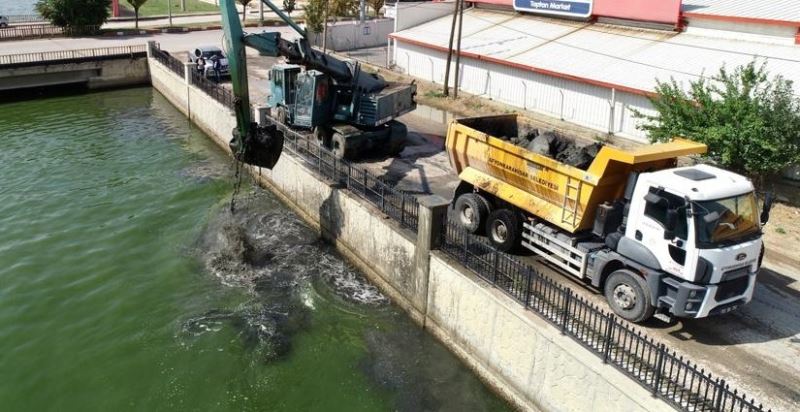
{"x":262,"y":146}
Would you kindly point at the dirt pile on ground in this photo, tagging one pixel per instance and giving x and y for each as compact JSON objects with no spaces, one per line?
{"x":555,"y":146}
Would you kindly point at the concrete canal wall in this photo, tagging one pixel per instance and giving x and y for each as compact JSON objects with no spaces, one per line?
{"x":517,"y":353}
{"x":93,"y":68}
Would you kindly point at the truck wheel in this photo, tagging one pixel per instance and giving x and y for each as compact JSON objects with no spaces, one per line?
{"x":503,"y":230}
{"x":627,"y":294}
{"x":472,"y":210}
{"x":340,"y":147}
{"x":322,"y":136}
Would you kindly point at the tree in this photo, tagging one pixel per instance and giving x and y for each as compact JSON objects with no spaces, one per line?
{"x":244,"y":4}
{"x":376,"y":5}
{"x":749,"y":120}
{"x":75,"y":16}
{"x":136,"y":4}
{"x":341,"y":8}
{"x":315,"y":15}
{"x":289,"y":6}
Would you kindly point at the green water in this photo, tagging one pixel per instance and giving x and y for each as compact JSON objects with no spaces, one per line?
{"x":126,"y":285}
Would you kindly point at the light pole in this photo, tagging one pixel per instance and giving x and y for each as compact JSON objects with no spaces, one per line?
{"x":169,"y":11}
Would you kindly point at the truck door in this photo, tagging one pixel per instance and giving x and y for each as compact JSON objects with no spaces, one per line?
{"x":674,"y":251}
{"x":304,"y":100}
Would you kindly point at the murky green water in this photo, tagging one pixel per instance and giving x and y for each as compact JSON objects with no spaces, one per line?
{"x":126,"y":285}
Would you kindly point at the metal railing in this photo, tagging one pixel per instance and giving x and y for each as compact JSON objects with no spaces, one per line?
{"x":667,"y":375}
{"x":25,"y":18}
{"x":78,"y":54}
{"x":217,"y":92}
{"x":30,"y":32}
{"x":175,"y":65}
{"x":397,"y":204}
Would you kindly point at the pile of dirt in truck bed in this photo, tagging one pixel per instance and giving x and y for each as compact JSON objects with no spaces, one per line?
{"x":555,"y":146}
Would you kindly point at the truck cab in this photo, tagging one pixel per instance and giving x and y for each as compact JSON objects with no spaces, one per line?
{"x":700,"y":227}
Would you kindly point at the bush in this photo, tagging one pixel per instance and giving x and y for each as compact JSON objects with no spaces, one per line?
{"x":289,"y":6}
{"x":749,"y":120}
{"x":314,"y":15}
{"x":75,"y":16}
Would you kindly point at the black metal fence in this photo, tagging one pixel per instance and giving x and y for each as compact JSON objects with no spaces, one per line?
{"x":666,"y":374}
{"x":30,"y":32}
{"x":217,"y":92}
{"x":168,"y":60}
{"x":72,"y":55}
{"x":399,"y":205}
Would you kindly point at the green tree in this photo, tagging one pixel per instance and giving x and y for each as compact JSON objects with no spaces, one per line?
{"x":136,"y":4}
{"x":75,"y":16}
{"x":342,"y":8}
{"x":315,"y":15}
{"x":749,"y":120}
{"x":244,"y":4}
{"x":376,"y":5}
{"x":289,"y":6}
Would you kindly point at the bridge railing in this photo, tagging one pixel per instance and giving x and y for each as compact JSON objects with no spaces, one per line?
{"x":78,"y":54}
{"x":25,"y":18}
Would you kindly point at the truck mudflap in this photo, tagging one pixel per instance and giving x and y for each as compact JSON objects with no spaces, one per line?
{"x":689,"y":300}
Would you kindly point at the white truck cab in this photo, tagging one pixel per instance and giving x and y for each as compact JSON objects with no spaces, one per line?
{"x":700,"y":226}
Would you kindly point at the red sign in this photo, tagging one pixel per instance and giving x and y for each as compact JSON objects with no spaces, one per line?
{"x":659,"y":11}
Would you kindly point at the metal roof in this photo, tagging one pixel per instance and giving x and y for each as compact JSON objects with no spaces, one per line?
{"x":609,"y":56}
{"x":781,"y":10}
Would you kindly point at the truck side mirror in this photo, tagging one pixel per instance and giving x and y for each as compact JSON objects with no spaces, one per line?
{"x":769,"y":197}
{"x":670,"y":224}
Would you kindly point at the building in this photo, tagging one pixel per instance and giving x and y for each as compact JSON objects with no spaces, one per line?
{"x":596,"y":71}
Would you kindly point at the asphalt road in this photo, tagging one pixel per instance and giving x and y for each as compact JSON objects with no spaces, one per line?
{"x":756,"y":348}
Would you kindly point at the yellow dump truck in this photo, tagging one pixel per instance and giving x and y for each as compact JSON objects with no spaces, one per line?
{"x":684,"y":241}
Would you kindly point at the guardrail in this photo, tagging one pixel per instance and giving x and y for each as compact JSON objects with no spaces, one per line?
{"x":399,"y":205}
{"x":78,"y":54}
{"x":30,"y":32}
{"x":25,"y":18}
{"x":667,"y":375}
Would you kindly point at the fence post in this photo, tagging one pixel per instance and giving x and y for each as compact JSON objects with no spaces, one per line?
{"x":383,"y":197}
{"x":430,"y":224}
{"x":402,"y":208}
{"x":495,"y":263}
{"x":528,"y":286}
{"x":659,"y":369}
{"x":565,"y":318}
{"x":609,"y":335}
{"x":718,"y":392}
{"x":188,"y":68}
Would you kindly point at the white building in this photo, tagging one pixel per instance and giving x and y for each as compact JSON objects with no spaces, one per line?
{"x":591,"y":73}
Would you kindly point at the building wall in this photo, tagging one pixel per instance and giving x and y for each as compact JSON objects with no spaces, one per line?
{"x":580,"y":103}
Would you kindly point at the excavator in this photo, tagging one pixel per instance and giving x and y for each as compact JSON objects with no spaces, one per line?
{"x":347,"y":110}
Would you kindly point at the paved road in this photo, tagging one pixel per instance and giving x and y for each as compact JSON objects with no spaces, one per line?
{"x":756,"y":348}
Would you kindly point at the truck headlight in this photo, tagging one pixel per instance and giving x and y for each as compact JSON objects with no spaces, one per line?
{"x":689,"y":306}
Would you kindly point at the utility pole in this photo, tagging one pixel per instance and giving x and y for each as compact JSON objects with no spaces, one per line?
{"x":446,"y":90}
{"x":362,"y":11}
{"x":169,"y":11}
{"x":183,"y":5}
{"x":325,"y":29}
{"x":260,"y":12}
{"x":458,"y":47}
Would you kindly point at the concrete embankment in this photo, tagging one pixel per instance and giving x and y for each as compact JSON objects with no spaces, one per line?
{"x":521,"y":356}
{"x":92,"y":68}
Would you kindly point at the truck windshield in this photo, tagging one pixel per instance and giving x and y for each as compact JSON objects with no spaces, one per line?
{"x":736,"y":220}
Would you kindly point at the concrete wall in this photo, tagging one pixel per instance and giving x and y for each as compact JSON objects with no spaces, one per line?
{"x":523,"y":358}
{"x":410,"y":14}
{"x":595,"y":107}
{"x":351,"y":35}
{"x":98,"y":74}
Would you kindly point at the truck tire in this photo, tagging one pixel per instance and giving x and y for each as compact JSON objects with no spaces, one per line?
{"x":472,"y":210}
{"x":504,"y":230}
{"x":628,"y":295}
{"x":340,"y":147}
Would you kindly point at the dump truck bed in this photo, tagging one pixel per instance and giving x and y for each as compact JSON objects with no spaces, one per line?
{"x":556,"y":192}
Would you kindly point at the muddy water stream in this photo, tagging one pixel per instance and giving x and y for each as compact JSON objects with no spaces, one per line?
{"x":127,"y":284}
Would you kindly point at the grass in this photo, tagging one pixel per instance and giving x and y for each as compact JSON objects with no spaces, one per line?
{"x":159,"y":7}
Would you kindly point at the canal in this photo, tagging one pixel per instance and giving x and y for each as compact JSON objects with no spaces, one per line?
{"x":126,"y":283}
